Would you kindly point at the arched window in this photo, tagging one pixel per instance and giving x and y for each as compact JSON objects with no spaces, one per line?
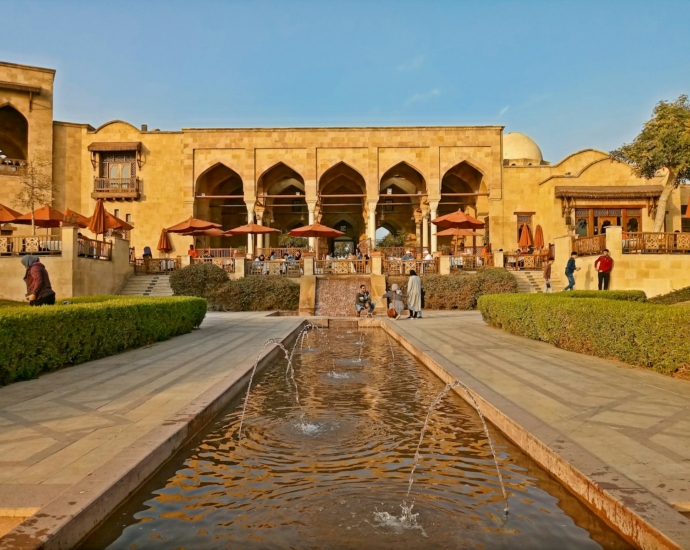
{"x":14,"y":135}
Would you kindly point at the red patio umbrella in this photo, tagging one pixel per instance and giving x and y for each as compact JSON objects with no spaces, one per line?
{"x":538,"y":237}
{"x":46,"y":216}
{"x":75,"y":218}
{"x":525,"y":237}
{"x":316,"y":230}
{"x":458,"y":220}
{"x":97,"y":221}
{"x":164,"y":244}
{"x":192,"y":224}
{"x":252,"y":229}
{"x":8,"y":215}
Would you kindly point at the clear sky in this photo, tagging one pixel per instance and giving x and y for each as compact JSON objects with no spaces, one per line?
{"x":571,"y":75}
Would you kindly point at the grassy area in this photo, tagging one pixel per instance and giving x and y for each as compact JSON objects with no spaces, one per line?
{"x":12,"y":303}
{"x":675,"y":297}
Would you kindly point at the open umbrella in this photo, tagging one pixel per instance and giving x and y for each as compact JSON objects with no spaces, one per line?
{"x":458,"y":220}
{"x":46,"y":216}
{"x":252,"y":229}
{"x":164,"y":244}
{"x":316,"y":230}
{"x":210,"y":232}
{"x":525,"y":238}
{"x":538,"y":238}
{"x":192,"y":224}
{"x":75,"y":218}
{"x":8,"y":215}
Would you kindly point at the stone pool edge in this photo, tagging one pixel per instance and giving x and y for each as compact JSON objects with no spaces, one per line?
{"x":68,"y":520}
{"x":632,"y":511}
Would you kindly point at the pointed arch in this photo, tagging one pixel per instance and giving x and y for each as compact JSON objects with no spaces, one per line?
{"x":219,"y":179}
{"x":116,"y":121}
{"x":342,"y":176}
{"x":14,"y":134}
{"x":405,"y":177}
{"x":279,"y":177}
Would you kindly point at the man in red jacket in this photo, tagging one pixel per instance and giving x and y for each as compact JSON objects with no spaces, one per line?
{"x":604,"y":265}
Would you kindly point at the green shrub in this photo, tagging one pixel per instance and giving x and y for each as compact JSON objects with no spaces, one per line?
{"x":637,"y":333}
{"x":624,"y":295}
{"x":459,"y":290}
{"x":197,"y":280}
{"x":675,"y":297}
{"x":35,"y":340}
{"x":256,"y":293}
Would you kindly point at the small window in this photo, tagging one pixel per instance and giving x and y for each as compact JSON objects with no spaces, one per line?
{"x":581,"y":227}
{"x":633,"y":225}
{"x":117,"y":212}
{"x":128,"y":218}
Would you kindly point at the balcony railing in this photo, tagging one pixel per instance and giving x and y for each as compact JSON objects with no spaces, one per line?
{"x":528,"y":262}
{"x":589,"y":246}
{"x":471,"y":261}
{"x":11,"y":166}
{"x":143,"y":266}
{"x":97,"y":250}
{"x":37,"y":245}
{"x":225,"y":262}
{"x":403,"y":267}
{"x":279,"y":253}
{"x":341,"y":267}
{"x":274,"y":267}
{"x":115,"y":188}
{"x":656,"y":243}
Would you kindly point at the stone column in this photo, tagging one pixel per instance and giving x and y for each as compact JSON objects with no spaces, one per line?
{"x":425,"y":232}
{"x":250,"y":238}
{"x":308,"y":263}
{"x":311,"y":206}
{"x":376,"y":263}
{"x":371,"y":226}
{"x":443,"y":265}
{"x":259,"y":210}
{"x":418,"y":216}
{"x":432,"y":216}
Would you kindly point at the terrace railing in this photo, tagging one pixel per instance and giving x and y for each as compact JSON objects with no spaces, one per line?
{"x":274,"y":267}
{"x":403,"y":267}
{"x":527,"y":262}
{"x":279,"y":252}
{"x":115,"y":188}
{"x":145,"y":266}
{"x":656,"y":243}
{"x":589,"y":246}
{"x":225,"y":262}
{"x":97,"y":250}
{"x":12,"y":166}
{"x":342,"y":267}
{"x":471,"y":261}
{"x":36,"y":244}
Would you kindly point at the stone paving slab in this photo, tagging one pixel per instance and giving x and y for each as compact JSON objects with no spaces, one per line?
{"x":624,"y":430}
{"x":69,"y":437}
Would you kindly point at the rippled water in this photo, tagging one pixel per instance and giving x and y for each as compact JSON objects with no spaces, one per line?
{"x":333,"y":474}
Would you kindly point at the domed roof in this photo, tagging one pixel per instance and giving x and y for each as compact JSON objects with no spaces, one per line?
{"x":520,"y":146}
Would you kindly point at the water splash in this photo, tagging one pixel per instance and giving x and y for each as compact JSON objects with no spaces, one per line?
{"x":389,"y":343}
{"x":338,"y":375}
{"x":308,"y":428}
{"x":450,"y":386}
{"x":406,"y":521}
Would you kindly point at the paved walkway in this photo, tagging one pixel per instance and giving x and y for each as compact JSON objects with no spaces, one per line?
{"x":67,"y":435}
{"x":626,"y":428}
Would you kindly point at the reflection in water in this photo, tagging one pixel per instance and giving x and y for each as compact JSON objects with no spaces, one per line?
{"x":334,"y":472}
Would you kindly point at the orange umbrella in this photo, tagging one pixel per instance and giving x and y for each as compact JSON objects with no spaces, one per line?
{"x":525,"y":238}
{"x":164,"y":244}
{"x":456,"y":233}
{"x":97,"y":222}
{"x":538,"y":238}
{"x":8,"y":215}
{"x":192,"y":224}
{"x":251,"y":229}
{"x":75,"y":218}
{"x":316,"y":230}
{"x":459,"y":220}
{"x":46,"y":216}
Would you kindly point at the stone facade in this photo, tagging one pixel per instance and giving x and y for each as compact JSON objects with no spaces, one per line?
{"x":359,"y":179}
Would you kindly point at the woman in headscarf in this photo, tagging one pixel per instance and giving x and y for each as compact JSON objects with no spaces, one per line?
{"x":38,"y":289}
{"x":396,"y":301}
{"x":414,"y":295}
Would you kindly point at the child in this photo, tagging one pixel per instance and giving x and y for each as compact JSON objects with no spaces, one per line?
{"x":547,"y":275}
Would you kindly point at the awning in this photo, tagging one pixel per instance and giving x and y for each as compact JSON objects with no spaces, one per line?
{"x":608,"y":191}
{"x":116,"y":146}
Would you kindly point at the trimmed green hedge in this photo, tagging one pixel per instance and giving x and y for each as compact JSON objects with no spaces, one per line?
{"x":624,"y":295}
{"x":256,"y":293}
{"x":459,"y":290}
{"x":37,"y":340}
{"x":638,"y":333}
{"x":197,"y":280}
{"x":675,"y":297}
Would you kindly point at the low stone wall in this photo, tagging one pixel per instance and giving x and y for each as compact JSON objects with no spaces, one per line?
{"x":654,"y":273}
{"x":70,"y":274}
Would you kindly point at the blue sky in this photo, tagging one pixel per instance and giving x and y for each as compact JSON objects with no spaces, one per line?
{"x":569,"y":74}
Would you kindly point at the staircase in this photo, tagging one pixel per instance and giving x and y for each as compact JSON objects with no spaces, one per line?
{"x":531,"y":282}
{"x":147,"y":285}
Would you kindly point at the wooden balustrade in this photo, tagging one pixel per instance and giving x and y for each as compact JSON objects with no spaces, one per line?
{"x":656,"y":243}
{"x":274,"y":267}
{"x":589,"y":246}
{"x":143,"y":266}
{"x":219,"y":252}
{"x":91,"y":248}
{"x":527,"y":262}
{"x":403,"y":267}
{"x":341,"y":267}
{"x":279,"y":252}
{"x":35,"y":244}
{"x":115,"y":188}
{"x":471,"y":261}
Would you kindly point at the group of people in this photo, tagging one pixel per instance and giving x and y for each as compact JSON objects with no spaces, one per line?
{"x":603,"y":264}
{"x":396,"y":306}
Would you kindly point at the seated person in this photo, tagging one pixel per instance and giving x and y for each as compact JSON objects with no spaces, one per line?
{"x":427,"y":255}
{"x":363,"y":301}
{"x":394,"y":296}
{"x":262,"y":258}
{"x":298,"y":255}
{"x":273,"y":255}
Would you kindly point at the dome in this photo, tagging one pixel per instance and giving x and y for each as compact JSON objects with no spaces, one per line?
{"x":519,"y":146}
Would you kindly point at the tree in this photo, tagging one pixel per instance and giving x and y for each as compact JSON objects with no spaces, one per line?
{"x":285,"y":240}
{"x":664,"y":142}
{"x":36,"y":186}
{"x":392,"y":241}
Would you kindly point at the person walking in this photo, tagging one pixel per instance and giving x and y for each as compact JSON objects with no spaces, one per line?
{"x":38,"y":289}
{"x":396,"y":301}
{"x":547,"y":275}
{"x":604,"y":265}
{"x":570,"y":270}
{"x":363,"y":301}
{"x":414,"y":295}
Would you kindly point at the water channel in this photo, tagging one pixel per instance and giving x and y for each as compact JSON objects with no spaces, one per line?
{"x":332,"y":470}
